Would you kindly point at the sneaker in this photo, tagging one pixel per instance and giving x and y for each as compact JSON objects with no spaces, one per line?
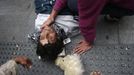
{"x":112,"y":18}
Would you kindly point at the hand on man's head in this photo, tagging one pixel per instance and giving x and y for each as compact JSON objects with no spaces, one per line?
{"x":49,"y":34}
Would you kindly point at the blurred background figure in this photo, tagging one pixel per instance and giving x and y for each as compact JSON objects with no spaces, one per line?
{"x":10,"y":67}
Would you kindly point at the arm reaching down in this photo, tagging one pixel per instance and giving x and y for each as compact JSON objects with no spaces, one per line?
{"x":89,"y":11}
{"x":59,"y":5}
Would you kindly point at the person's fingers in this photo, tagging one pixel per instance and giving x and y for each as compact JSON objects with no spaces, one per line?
{"x":29,"y":63}
{"x":80,"y":42}
{"x":48,"y":22}
{"x":80,"y":52}
{"x":24,"y":66}
{"x":81,"y":49}
{"x":99,"y":73}
{"x":77,"y":47}
{"x":28,"y":66}
{"x":41,"y":29}
{"x":29,"y":60}
{"x":95,"y":73}
{"x":77,"y":50}
{"x":43,"y":26}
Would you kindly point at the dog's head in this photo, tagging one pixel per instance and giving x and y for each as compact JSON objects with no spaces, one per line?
{"x":67,"y":61}
{"x":71,"y":64}
{"x":60,"y":61}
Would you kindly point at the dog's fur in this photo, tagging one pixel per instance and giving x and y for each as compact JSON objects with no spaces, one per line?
{"x":71,"y":64}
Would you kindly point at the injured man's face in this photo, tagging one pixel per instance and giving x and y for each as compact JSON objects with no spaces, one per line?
{"x":49,"y":45}
{"x":48,"y":35}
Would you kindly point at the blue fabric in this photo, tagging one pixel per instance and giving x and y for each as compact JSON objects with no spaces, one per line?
{"x":44,"y":6}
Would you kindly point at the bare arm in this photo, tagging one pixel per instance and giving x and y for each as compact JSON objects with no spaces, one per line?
{"x":50,"y":19}
{"x":59,"y":5}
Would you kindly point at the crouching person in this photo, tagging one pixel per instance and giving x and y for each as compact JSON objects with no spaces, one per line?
{"x":10,"y":67}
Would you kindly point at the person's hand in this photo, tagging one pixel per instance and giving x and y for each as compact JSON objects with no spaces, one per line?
{"x":24,"y":61}
{"x":45,"y":31}
{"x":95,"y":73}
{"x":48,"y":22}
{"x":82,"y":47}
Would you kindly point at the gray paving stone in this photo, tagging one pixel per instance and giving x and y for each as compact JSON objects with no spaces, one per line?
{"x":109,"y":59}
{"x":16,"y":19}
{"x":126,"y":30}
{"x":107,"y":32}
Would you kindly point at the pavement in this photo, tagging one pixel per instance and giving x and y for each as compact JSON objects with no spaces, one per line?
{"x":112,"y":54}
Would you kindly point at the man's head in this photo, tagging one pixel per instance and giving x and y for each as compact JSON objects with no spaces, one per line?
{"x":50,"y":45}
{"x":48,"y":34}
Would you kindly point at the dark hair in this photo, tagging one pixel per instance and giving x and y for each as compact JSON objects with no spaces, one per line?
{"x":50,"y":51}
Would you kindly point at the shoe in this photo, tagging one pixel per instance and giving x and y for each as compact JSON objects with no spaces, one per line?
{"x":112,"y":18}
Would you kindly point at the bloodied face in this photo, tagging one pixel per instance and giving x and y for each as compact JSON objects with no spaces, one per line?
{"x":49,"y":45}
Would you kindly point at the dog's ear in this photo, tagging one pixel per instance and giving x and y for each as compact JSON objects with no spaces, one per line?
{"x":58,"y":61}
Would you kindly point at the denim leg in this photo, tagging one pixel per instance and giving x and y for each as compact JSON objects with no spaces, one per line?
{"x":72,"y":5}
{"x":114,"y":10}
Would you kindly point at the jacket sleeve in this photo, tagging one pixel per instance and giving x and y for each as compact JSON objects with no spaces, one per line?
{"x":89,"y":10}
{"x":8,"y":68}
{"x":60,"y":4}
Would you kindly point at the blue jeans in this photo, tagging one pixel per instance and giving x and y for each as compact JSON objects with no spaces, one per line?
{"x":46,"y":6}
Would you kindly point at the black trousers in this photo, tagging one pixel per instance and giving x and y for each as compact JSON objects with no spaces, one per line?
{"x":108,"y":9}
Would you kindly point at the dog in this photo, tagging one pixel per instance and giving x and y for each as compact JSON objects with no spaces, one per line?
{"x":71,"y":64}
